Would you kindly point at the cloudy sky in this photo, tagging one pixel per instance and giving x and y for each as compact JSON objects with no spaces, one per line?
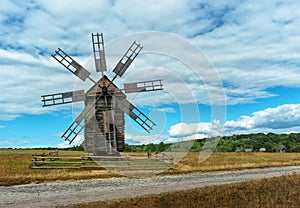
{"x":229,"y":67}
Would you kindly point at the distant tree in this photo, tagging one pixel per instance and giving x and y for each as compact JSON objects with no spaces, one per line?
{"x":197,"y":145}
{"x":161,"y":147}
{"x":127,"y":148}
{"x":268,"y":141}
{"x":151,"y":147}
{"x":225,"y":146}
{"x":77,"y":148}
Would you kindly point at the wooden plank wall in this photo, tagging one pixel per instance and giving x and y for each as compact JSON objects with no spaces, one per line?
{"x":95,"y":134}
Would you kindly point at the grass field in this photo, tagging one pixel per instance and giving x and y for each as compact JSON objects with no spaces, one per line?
{"x":15,"y":165}
{"x":280,"y":192}
{"x":15,"y":169}
{"x":234,"y":161}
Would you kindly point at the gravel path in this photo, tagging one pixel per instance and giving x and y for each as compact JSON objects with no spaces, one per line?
{"x":72,"y":192}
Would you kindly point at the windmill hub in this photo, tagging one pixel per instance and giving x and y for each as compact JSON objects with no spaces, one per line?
{"x":104,"y":90}
{"x":103,"y":116}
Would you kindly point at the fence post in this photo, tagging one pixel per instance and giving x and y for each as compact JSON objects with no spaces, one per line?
{"x":129,"y":165}
{"x":171,"y":160}
{"x":34,"y":161}
{"x":83,"y":160}
{"x":43,"y":157}
{"x":51,"y":156}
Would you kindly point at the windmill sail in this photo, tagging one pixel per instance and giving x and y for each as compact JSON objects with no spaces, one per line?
{"x":76,"y":127}
{"x":70,"y":64}
{"x":98,"y":49}
{"x":127,"y":59}
{"x":135,"y":114}
{"x":143,"y":86}
{"x":63,"y":98}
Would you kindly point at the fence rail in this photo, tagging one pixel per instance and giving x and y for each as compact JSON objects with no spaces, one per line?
{"x":101,"y":162}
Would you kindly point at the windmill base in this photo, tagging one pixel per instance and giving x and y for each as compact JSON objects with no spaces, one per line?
{"x":104,"y":153}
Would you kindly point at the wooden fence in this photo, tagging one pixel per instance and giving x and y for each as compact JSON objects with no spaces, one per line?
{"x":52,"y":161}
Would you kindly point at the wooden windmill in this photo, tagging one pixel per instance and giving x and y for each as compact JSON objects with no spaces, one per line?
{"x":105,"y":104}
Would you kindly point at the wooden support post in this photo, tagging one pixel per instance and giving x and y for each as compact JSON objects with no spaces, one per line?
{"x":128,"y":159}
{"x":83,"y":160}
{"x":171,"y":160}
{"x":34,"y":160}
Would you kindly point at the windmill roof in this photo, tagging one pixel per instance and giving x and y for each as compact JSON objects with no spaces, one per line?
{"x":98,"y":87}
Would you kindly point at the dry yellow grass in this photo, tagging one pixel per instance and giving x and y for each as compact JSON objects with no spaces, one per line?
{"x":15,"y":169}
{"x":15,"y":165}
{"x":273,"y":192}
{"x":234,"y":161}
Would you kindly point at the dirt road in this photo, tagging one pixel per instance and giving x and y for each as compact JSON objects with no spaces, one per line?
{"x":73,"y":192}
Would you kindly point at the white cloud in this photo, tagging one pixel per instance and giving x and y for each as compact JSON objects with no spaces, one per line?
{"x":186,"y":132}
{"x":182,"y":129}
{"x":245,"y":122}
{"x":24,"y":86}
{"x":2,"y":127}
{"x":77,"y":141}
{"x":13,"y":143}
{"x":188,"y":76}
{"x":282,"y":117}
{"x":204,"y":128}
{"x":144,"y":139}
{"x":254,"y":47}
{"x":18,"y":57}
{"x":185,"y":138}
{"x":165,"y":109}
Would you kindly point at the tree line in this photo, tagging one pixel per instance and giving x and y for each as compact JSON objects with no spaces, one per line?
{"x":270,"y":142}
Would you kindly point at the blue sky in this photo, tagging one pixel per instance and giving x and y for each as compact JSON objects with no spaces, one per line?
{"x":229,"y":67}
